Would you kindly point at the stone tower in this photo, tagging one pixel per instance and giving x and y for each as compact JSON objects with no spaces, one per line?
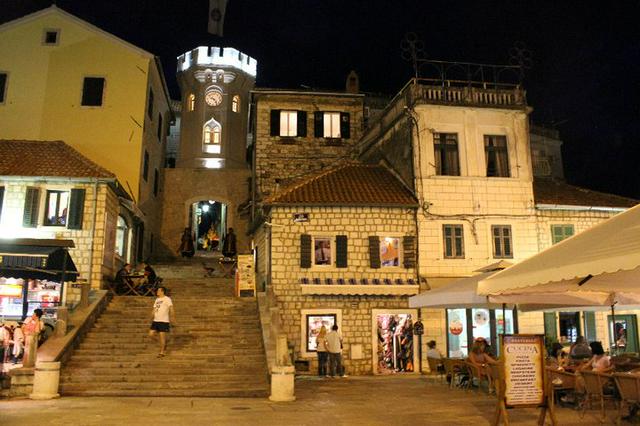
{"x":210,"y":184}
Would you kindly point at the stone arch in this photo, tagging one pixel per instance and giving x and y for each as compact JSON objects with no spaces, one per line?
{"x":208,"y":196}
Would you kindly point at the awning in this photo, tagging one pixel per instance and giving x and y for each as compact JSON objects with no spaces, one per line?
{"x":37,"y":259}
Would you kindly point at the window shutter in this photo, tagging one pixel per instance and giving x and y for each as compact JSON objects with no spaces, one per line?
{"x":590,"y":326}
{"x":374,"y":252}
{"x":31,"y":201}
{"x":305,"y":251}
{"x":409,"y":251}
{"x":550,"y":323}
{"x":1,"y":199}
{"x":275,"y":122}
{"x":345,"y":125}
{"x":318,"y":124}
{"x":302,"y":124}
{"x":76,"y":209}
{"x":341,"y":251}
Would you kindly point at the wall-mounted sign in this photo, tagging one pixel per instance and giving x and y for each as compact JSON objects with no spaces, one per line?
{"x":523,"y":369}
{"x":300,"y":217}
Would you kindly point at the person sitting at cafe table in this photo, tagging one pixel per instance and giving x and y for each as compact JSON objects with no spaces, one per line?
{"x":479,"y":358}
{"x":580,"y":349}
{"x":123,"y":281}
{"x":599,"y":362}
{"x":557,"y":355}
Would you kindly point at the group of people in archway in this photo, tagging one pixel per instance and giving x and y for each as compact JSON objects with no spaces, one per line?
{"x":187,"y":247}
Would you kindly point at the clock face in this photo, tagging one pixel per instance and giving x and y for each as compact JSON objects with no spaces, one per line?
{"x":213,"y":98}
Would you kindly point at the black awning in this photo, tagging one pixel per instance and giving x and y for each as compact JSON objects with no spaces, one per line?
{"x":36,"y":261}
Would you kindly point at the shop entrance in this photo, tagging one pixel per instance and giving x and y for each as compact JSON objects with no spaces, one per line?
{"x":394,"y":349}
{"x":466,"y":325}
{"x":208,"y":220}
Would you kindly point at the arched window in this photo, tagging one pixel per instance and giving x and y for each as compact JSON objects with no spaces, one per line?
{"x":122,"y":231}
{"x":212,"y":136}
{"x":192,"y":102}
{"x":235,"y":103}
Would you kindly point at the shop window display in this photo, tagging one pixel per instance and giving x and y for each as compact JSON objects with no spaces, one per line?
{"x":18,"y":302}
{"x":389,"y":251}
{"x":395,"y":343}
{"x":322,"y":250}
{"x":466,"y":325}
{"x":314,"y":323}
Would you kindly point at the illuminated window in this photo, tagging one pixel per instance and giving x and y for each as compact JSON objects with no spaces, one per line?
{"x":331,"y":122}
{"x":57,"y":204}
{"x":192,"y":102}
{"x":121,"y":236}
{"x":389,"y":251}
{"x":212,"y":133}
{"x":495,"y":150}
{"x":235,"y":103}
{"x":445,"y":147}
{"x":322,"y":251}
{"x":288,"y":123}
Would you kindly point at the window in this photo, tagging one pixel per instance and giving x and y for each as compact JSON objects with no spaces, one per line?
{"x":92,"y":91}
{"x":466,"y":325}
{"x":56,"y":208}
{"x":159,"y":127}
{"x":145,"y":166}
{"x":331,"y":121}
{"x":314,"y":323}
{"x":155,"y":182}
{"x":3,"y":86}
{"x":322,"y":251}
{"x":560,"y":232}
{"x":192,"y":102}
{"x":121,"y":236}
{"x":453,"y":241}
{"x":502,"y":246}
{"x":235,"y":104}
{"x":150,"y":105}
{"x":31,"y":208}
{"x":497,"y":156}
{"x":50,"y":37}
{"x":446,"y":154}
{"x":389,"y":251}
{"x":212,"y":136}
{"x":288,"y":123}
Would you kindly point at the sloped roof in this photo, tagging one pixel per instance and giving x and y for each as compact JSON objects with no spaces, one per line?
{"x":46,"y":158}
{"x":552,"y":191}
{"x":350,"y":184}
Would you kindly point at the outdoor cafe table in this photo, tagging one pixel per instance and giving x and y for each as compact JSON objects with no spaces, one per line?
{"x":136,"y":286}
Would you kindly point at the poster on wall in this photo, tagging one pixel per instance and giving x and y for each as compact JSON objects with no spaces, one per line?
{"x":523,"y":369}
{"x":314,"y":324}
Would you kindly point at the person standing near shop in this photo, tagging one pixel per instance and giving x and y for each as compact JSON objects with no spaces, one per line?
{"x":334,"y":347}
{"x":31,"y":328}
{"x":18,"y":344}
{"x":321,"y":349}
{"x":162,"y":316}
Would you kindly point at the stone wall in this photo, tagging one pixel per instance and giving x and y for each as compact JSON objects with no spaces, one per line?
{"x":280,"y":161}
{"x":356,"y":310}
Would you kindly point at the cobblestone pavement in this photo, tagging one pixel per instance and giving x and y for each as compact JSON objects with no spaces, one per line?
{"x":393,"y":400}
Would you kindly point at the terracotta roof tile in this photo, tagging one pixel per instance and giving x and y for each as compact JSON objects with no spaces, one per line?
{"x":46,"y":158}
{"x":551,"y":191}
{"x":349,"y":184}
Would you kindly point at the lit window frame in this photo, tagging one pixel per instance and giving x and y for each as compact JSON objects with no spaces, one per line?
{"x":61,"y":211}
{"x":327,"y":263}
{"x":331,"y":125}
{"x":288,"y":123}
{"x":191,"y":102}
{"x":235,"y":103}
{"x":397,"y":262}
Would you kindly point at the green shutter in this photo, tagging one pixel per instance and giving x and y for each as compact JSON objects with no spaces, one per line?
{"x":409,"y":251}
{"x":341,"y":251}
{"x":305,"y":251}
{"x":31,"y":202}
{"x":318,"y":124}
{"x":550,"y":326}
{"x":374,"y":252}
{"x":345,"y":125}
{"x":302,"y":124}
{"x":275,"y":122}
{"x":590,"y":326}
{"x":76,"y":209}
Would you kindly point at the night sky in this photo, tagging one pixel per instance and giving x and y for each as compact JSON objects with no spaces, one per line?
{"x":583,"y":79}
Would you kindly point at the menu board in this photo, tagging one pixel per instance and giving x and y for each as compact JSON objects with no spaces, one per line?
{"x":523,"y":369}
{"x":245,"y":276}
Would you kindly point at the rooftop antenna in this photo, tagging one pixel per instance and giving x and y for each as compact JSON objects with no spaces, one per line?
{"x":413,"y":51}
{"x":521,"y":56}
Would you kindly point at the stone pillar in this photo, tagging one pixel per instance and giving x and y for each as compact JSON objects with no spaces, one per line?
{"x":63,"y":320}
{"x":46,"y":380}
{"x":282,"y":374}
{"x":84,"y":294}
{"x":30,"y":350}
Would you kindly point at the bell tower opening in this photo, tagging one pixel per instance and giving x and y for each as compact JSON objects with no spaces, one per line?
{"x":209,"y":223}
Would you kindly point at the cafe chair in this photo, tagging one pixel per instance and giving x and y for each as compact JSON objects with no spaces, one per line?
{"x":477,"y":373}
{"x":594,"y":385}
{"x":562,"y":382}
{"x":454,"y":370}
{"x":628,"y":386}
{"x":436,"y":368}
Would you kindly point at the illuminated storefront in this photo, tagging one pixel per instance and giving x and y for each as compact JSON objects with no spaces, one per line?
{"x":466,"y":325}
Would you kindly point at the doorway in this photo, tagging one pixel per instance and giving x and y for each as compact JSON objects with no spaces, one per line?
{"x":623,"y":336}
{"x":394,"y":348}
{"x":209,"y":224}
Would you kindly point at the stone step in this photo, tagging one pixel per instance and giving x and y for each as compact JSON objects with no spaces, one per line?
{"x":204,"y":392}
{"x":164,"y":385}
{"x":219,"y":377}
{"x":150,"y":363}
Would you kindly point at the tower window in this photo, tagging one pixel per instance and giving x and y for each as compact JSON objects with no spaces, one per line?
{"x":212,"y":136}
{"x":235,"y":103}
{"x":192,"y":102}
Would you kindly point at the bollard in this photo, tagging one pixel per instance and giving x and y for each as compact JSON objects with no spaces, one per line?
{"x":282,"y":383}
{"x":84,"y":294}
{"x":30,"y":350}
{"x":46,"y":380}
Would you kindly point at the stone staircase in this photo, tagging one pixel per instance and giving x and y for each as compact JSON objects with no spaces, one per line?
{"x":214,"y":350}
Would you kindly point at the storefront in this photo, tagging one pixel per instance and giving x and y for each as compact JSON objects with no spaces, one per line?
{"x":394,"y":349}
{"x":32,"y":275}
{"x":466,"y":325}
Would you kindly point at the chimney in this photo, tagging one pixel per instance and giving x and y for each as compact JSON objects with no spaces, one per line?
{"x":353,"y":83}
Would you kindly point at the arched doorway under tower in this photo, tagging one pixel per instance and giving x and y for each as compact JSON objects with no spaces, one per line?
{"x":208,"y":219}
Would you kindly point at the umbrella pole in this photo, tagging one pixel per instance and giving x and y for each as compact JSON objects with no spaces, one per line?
{"x":613,"y":329}
{"x":504,"y":319}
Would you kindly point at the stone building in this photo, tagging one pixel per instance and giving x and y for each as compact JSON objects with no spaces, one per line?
{"x":338,"y":247}
{"x":48,"y":190}
{"x":103,"y":96}
{"x":209,"y":186}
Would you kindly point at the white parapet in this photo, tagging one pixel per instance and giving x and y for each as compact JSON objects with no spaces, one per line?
{"x":218,"y":56}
